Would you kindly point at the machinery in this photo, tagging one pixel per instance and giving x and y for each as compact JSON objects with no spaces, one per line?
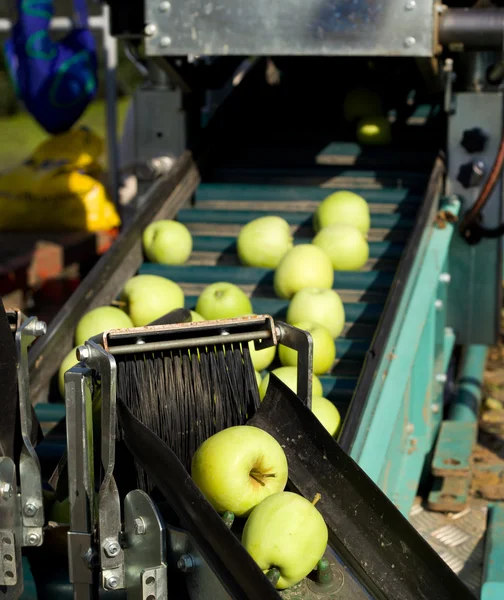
{"x":243,"y":93}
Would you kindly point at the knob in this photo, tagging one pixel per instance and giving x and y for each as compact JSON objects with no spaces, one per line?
{"x":471,"y":174}
{"x":474,"y":140}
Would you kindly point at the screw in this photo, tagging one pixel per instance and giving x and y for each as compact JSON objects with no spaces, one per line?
{"x":90,"y":558}
{"x":150,"y":29}
{"x":410,"y":5}
{"x":6,"y":490}
{"x":30,"y":510}
{"x":409,"y":41}
{"x":441,"y":377}
{"x":33,"y":539}
{"x":445,"y":278}
{"x":185,"y":563}
{"x":111,"y":548}
{"x":111,"y":583}
{"x":165,"y":41}
{"x":435,"y":408}
{"x":438,"y":304}
{"x":165,"y":7}
{"x":139,"y":526}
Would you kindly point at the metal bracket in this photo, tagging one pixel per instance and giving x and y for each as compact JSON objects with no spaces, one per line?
{"x":144,"y":555}
{"x":10,"y":551}
{"x":300,"y":340}
{"x":32,"y":507}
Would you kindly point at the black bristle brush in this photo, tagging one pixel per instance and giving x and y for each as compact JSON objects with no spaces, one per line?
{"x":185,"y":396}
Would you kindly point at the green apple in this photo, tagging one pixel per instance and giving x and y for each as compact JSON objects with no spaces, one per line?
{"x":99,"y":320}
{"x":195,"y":317}
{"x":167,"y":242}
{"x":287,"y":532}
{"x":343,"y":207}
{"x":374,"y":131}
{"x":303,"y":266}
{"x":149,"y":297}
{"x":258,"y":378}
{"x":360,"y":103}
{"x":318,"y":306}
{"x":263,"y":242}
{"x":345,"y":245}
{"x":326,"y":413}
{"x":69,"y":361}
{"x":223,"y":301}
{"x":262,"y":359}
{"x":238,"y":467}
{"x":324,"y":348}
{"x":289,"y":376}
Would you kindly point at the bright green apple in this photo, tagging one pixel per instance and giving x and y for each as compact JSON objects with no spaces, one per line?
{"x":326,"y":413}
{"x":263,"y":242}
{"x":261,"y":359}
{"x":99,"y":320}
{"x":345,"y":245}
{"x":167,"y":242}
{"x":318,"y":306}
{"x":287,"y":532}
{"x":360,"y":103}
{"x":303,"y":266}
{"x":289,"y":376}
{"x":223,"y":301}
{"x":195,"y":317}
{"x":324,"y":348}
{"x":343,"y":207}
{"x":374,"y":131}
{"x":149,"y":297}
{"x":238,"y":467}
{"x":68,"y":362}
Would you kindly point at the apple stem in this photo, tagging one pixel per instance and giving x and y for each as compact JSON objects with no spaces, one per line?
{"x":316,"y":499}
{"x":258,"y":476}
{"x":273,"y":575}
{"x":119,"y":303}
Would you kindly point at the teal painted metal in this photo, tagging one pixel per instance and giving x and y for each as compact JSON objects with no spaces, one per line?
{"x":401,"y":415}
{"x":466,"y":405}
{"x":454,"y":447}
{"x":30,"y":589}
{"x":493,"y":574}
{"x":50,"y":412}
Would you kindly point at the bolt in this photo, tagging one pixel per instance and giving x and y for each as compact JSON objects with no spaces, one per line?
{"x":165,"y":7}
{"x":441,"y":378}
{"x":445,"y":278}
{"x":139,"y":526}
{"x":409,"y":41}
{"x":438,"y":304}
{"x":435,"y":408}
{"x":111,"y":548}
{"x":185,"y":563}
{"x":30,"y":510}
{"x":33,"y":539}
{"x":39,"y":328}
{"x":165,"y":41}
{"x":150,"y":29}
{"x":111,"y":583}
{"x":410,"y":5}
{"x":6,"y":490}
{"x":90,"y":559}
{"x":83,"y":353}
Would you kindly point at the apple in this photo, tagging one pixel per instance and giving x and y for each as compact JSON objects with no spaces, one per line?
{"x":167,"y":242}
{"x":326,"y":413}
{"x":318,"y":306}
{"x":258,"y":378}
{"x":238,"y":467}
{"x":303,"y":266}
{"x":343,"y":207}
{"x":263,"y":242}
{"x":195,"y":317}
{"x":287,"y":532}
{"x":99,"y":320}
{"x":149,"y":297}
{"x":360,"y":103}
{"x":223,"y":301}
{"x":344,"y":245}
{"x":289,"y":376}
{"x":68,"y":362}
{"x":261,"y":359}
{"x":324,"y":349}
{"x":374,"y":131}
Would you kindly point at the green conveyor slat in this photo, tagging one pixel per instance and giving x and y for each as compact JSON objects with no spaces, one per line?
{"x":203,"y":243}
{"x":355,"y":312}
{"x":50,"y":412}
{"x":242,"y":217}
{"x":226,"y":191}
{"x":343,"y":280}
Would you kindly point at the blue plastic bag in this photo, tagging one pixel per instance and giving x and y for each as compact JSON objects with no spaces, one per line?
{"x":55,"y":80}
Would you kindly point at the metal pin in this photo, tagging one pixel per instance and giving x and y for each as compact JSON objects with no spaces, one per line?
{"x":150,"y":29}
{"x":164,"y":7}
{"x":409,"y":41}
{"x":165,"y":41}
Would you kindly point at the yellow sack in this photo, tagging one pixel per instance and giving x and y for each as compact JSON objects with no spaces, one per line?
{"x":58,"y":188}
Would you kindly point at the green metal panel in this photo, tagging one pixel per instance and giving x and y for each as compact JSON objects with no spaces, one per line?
{"x":493,"y":586}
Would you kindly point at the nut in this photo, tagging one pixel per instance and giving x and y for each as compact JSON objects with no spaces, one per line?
{"x":82,"y":353}
{"x":33,"y":539}
{"x":6,"y":490}
{"x":111,"y":583}
{"x":185,"y":563}
{"x":30,"y":510}
{"x":111,"y":548}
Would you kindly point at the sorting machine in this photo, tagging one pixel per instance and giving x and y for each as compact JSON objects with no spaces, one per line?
{"x":249,"y":95}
